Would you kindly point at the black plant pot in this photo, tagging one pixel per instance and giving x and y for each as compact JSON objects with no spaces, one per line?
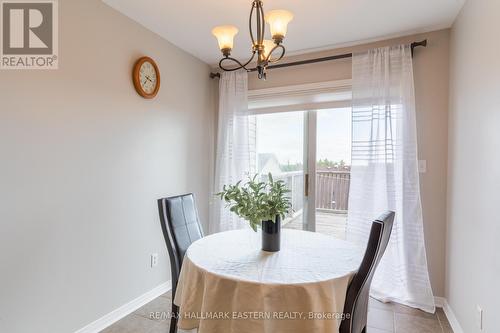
{"x":271,"y":234}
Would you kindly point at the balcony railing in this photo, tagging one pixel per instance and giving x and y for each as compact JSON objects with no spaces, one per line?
{"x":332,"y":189}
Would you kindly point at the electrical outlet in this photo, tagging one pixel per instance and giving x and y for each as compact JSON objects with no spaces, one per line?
{"x":154,"y":259}
{"x":479,"y":317}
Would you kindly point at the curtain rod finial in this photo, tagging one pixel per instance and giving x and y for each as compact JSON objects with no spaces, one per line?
{"x":214,"y":75}
{"x":415,"y":44}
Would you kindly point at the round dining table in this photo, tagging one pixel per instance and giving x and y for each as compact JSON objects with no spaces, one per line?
{"x":228,"y":284}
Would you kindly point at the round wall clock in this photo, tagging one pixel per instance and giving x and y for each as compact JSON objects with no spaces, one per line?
{"x":146,"y":77}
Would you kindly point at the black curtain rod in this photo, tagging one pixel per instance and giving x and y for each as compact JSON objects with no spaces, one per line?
{"x":312,"y":61}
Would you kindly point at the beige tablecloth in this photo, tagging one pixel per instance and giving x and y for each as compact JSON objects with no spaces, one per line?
{"x":228,"y":285}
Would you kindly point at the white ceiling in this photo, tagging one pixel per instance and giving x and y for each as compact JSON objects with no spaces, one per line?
{"x":318,"y":24}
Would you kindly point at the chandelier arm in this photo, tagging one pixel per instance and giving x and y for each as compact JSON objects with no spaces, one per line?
{"x":250,"y":28}
{"x":269,"y":60}
{"x":249,"y":60}
{"x":262,"y":23}
{"x":259,"y":26}
{"x":236,"y":61}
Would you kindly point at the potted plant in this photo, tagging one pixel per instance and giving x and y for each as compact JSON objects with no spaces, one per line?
{"x":260,"y":203}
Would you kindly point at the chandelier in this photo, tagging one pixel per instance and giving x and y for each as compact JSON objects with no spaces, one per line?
{"x":263,"y":48}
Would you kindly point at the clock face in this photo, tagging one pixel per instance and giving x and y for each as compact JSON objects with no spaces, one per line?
{"x":146,"y":77}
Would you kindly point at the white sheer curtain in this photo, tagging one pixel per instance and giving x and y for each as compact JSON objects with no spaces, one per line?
{"x":235,"y":157}
{"x":384,"y":173}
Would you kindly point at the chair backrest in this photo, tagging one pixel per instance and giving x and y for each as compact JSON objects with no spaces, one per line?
{"x":181,"y":227}
{"x":358,"y":292}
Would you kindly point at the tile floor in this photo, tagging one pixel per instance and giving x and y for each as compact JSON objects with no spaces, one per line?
{"x":382,"y":318}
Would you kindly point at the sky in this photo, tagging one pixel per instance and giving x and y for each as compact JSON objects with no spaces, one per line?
{"x":283,"y":135}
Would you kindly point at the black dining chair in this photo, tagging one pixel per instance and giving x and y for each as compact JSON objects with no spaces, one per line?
{"x":358,"y":292}
{"x":181,"y":227}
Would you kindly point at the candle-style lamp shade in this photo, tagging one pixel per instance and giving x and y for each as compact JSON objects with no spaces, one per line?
{"x":225,"y":37}
{"x":278,"y":21}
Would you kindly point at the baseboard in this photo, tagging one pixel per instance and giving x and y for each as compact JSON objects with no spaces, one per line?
{"x":455,"y":325}
{"x":439,"y":301}
{"x":126,"y":309}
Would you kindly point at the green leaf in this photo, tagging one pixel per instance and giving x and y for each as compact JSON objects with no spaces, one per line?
{"x":257,"y":201}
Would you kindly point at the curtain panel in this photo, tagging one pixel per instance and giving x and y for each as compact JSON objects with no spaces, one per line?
{"x":384,"y":174}
{"x":236,"y":144}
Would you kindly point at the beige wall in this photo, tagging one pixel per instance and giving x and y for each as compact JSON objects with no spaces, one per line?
{"x":431,"y":89}
{"x":473,"y":260}
{"x":83,"y":160}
